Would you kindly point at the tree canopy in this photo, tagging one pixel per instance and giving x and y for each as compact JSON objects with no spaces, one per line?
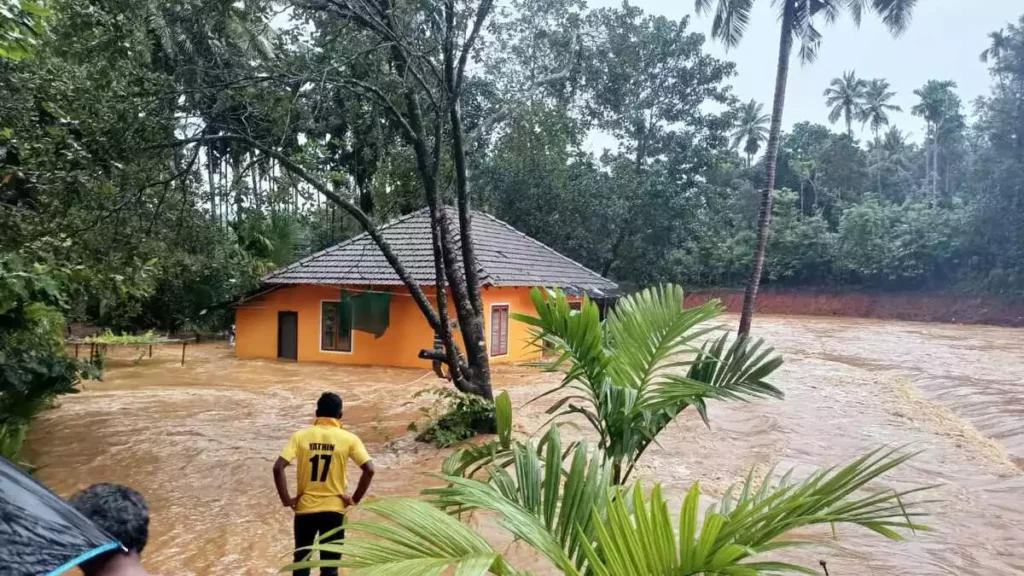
{"x":133,"y":161}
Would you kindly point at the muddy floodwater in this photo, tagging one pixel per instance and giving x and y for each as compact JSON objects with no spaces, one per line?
{"x":198,"y":441}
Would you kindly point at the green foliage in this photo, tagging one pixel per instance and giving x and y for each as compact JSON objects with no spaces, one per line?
{"x":22,"y":23}
{"x":631,"y":375}
{"x":560,"y":504}
{"x":453,"y":417}
{"x":108,"y":337}
{"x":34,"y":368}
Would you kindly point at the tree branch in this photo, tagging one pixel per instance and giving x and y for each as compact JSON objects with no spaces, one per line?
{"x":507,"y":109}
{"x":352,"y":209}
{"x":482,"y":11}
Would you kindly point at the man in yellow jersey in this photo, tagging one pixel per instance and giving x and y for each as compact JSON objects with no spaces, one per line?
{"x":322,"y":451}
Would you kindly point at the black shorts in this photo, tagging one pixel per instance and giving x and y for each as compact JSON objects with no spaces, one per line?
{"x":307,"y":526}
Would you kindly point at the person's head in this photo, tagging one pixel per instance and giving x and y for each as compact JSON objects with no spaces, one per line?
{"x":328,"y":406}
{"x":118,"y":511}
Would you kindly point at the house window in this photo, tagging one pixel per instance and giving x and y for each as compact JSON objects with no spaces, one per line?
{"x":499,"y":330}
{"x":336,"y":326}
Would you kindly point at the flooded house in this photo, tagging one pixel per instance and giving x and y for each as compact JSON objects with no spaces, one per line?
{"x":346,"y":304}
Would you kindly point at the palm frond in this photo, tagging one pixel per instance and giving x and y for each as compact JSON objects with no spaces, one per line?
{"x":414,"y":538}
{"x":736,"y":372}
{"x":550,"y":508}
{"x":647,"y":332}
{"x":856,"y":9}
{"x":895,"y":14}
{"x":635,"y":537}
{"x":730,"y":20}
{"x":810,"y":42}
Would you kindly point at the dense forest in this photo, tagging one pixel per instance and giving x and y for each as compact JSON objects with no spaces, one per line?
{"x":157,"y":235}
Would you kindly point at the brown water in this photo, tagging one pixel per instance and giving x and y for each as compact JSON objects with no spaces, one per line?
{"x":199,"y":441}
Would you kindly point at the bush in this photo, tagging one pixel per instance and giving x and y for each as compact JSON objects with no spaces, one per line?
{"x":453,"y":417}
{"x":34,"y":368}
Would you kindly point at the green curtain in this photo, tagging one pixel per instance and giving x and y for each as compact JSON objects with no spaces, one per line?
{"x":366,"y":312}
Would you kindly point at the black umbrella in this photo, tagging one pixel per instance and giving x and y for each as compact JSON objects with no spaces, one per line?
{"x":40,"y":533}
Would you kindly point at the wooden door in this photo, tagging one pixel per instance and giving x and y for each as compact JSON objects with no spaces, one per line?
{"x":288,"y":335}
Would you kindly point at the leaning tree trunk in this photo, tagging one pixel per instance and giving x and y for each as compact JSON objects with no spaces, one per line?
{"x":764,"y":213}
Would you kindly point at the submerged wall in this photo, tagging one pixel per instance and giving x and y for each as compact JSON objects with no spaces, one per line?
{"x":921,"y":307}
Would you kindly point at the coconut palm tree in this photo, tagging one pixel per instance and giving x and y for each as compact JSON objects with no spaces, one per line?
{"x":798,"y":20}
{"x":875,"y":110}
{"x":891,"y":155}
{"x":845,"y":96}
{"x":999,"y":44}
{"x":751,"y":129}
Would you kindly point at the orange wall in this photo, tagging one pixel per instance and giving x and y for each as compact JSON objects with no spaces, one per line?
{"x":256,"y":328}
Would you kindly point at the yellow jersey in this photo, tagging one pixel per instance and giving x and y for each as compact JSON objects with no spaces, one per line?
{"x":323,"y":451}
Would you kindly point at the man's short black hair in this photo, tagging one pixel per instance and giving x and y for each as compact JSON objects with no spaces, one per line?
{"x":329,"y":405}
{"x":118,"y":510}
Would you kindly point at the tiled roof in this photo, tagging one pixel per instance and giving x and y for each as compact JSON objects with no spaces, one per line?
{"x":505,"y":256}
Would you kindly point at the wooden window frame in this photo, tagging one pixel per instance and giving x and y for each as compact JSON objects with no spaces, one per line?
{"x":491,"y":348}
{"x":337,"y":334}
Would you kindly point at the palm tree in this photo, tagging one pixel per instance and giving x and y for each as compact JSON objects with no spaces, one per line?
{"x":890,"y":154}
{"x":797,"y":21}
{"x":845,"y":95}
{"x":875,"y":111}
{"x":751,"y":129}
{"x":565,"y":503}
{"x":936,"y":104}
{"x":999,"y":45}
{"x":622,"y":371}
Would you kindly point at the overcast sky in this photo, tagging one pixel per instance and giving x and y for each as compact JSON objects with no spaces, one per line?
{"x":943,"y":43}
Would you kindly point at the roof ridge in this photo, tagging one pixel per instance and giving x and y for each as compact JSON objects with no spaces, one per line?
{"x":339,"y":245}
{"x":543,"y":245}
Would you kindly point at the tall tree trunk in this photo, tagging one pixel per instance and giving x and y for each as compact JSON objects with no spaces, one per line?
{"x":878,"y":160}
{"x":927,"y":160}
{"x":935,"y":169}
{"x":764,"y":213}
{"x":211,"y":182}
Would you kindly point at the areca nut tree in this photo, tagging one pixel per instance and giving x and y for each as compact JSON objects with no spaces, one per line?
{"x":632,"y":374}
{"x":751,"y":129}
{"x":999,"y":44}
{"x":937,"y":102}
{"x":798,"y":20}
{"x":875,"y":112}
{"x":845,"y":97}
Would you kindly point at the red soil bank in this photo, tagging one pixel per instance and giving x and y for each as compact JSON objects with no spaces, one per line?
{"x":887,"y":306}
